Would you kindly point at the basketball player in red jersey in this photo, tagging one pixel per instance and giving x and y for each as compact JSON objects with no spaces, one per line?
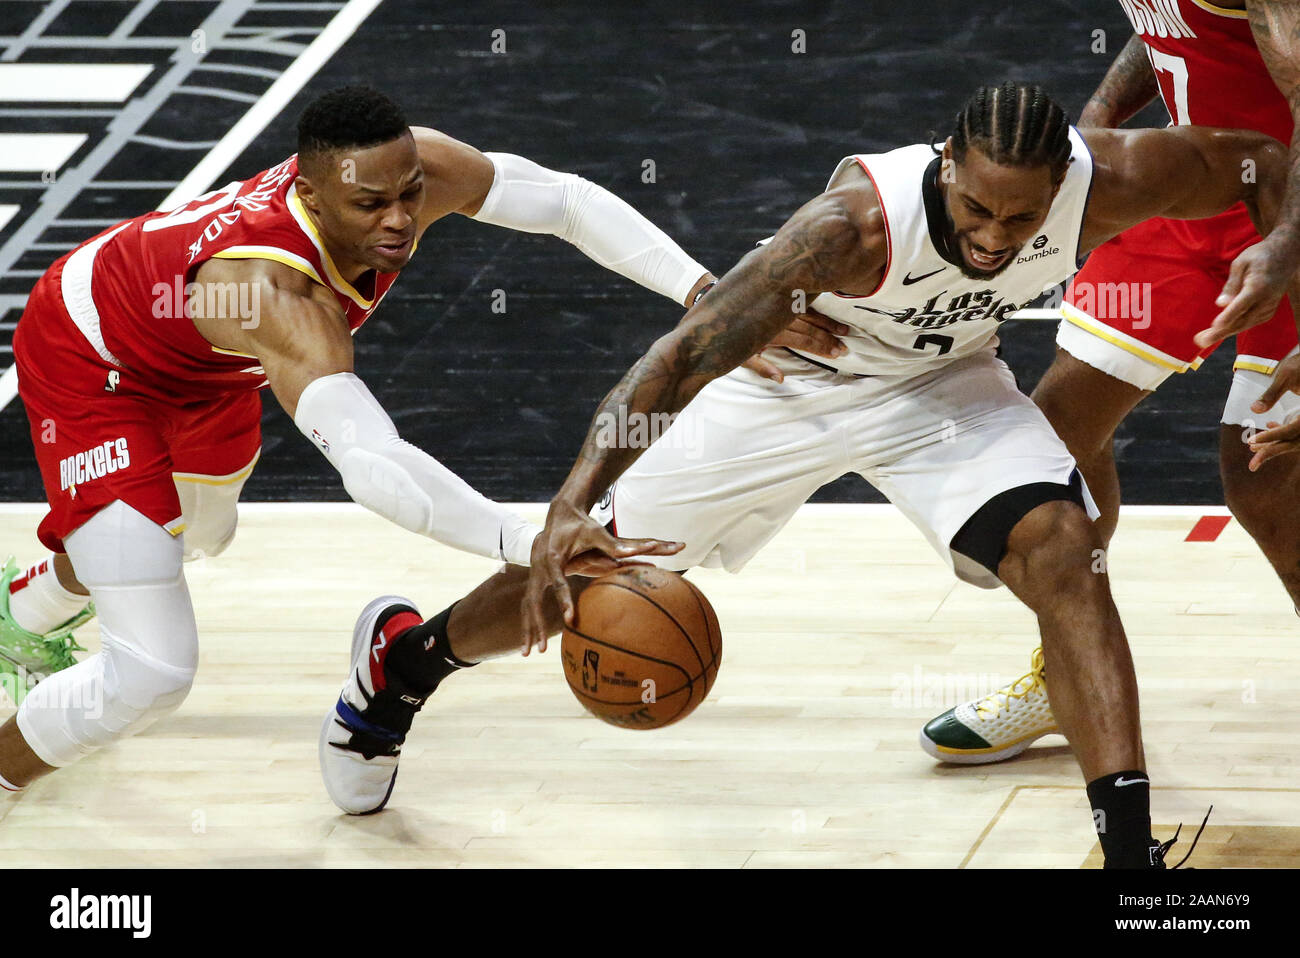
{"x":142,"y":352}
{"x":1213,"y":65}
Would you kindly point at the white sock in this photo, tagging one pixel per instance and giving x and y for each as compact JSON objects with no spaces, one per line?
{"x":8,"y":786}
{"x":37,"y":602}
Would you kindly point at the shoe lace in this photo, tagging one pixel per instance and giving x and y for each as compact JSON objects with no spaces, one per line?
{"x":1164,"y":847}
{"x":1032,"y":681}
{"x":60,"y":645}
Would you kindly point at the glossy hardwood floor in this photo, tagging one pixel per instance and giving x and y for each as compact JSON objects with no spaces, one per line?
{"x":840,"y":640}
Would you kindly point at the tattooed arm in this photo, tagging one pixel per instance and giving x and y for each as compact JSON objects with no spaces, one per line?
{"x":1128,"y":86}
{"x":1260,"y":275}
{"x":833,"y":242}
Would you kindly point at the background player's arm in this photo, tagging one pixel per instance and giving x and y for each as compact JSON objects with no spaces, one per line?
{"x":301,"y":338}
{"x":516,"y":193}
{"x":1128,"y":86}
{"x":1191,"y":172}
{"x":1184,"y":172}
{"x":825,"y":245}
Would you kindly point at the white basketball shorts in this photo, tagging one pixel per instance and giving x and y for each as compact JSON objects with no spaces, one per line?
{"x":741,"y":458}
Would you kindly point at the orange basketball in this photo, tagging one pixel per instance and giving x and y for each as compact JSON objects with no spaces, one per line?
{"x":644,"y":650}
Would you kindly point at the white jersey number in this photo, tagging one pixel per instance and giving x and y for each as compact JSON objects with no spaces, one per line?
{"x":1176,"y":67}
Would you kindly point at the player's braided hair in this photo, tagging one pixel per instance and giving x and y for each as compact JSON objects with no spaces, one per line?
{"x":1014,"y":124}
{"x":348,"y":117}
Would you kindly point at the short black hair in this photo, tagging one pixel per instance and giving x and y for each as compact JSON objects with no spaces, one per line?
{"x":1016,"y":124}
{"x":348,"y":117}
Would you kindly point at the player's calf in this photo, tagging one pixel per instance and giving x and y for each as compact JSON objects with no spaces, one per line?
{"x":1263,"y":502}
{"x":149,"y":646}
{"x":398,"y":662}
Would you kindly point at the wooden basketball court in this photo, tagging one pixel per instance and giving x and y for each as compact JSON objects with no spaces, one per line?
{"x":840,"y":640}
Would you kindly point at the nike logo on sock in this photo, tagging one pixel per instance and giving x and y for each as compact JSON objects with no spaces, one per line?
{"x":1121,"y":782}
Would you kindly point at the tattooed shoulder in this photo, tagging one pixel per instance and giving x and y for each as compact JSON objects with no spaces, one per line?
{"x":820,"y":246}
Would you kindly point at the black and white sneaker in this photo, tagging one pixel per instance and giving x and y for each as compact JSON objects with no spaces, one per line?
{"x":361,"y":738}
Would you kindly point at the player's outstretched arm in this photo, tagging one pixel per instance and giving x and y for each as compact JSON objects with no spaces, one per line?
{"x":1184,"y":172}
{"x":508,"y":190}
{"x":1191,"y":172}
{"x":511,"y":191}
{"x":1128,"y":86}
{"x":824,"y":246}
{"x":302,"y":341}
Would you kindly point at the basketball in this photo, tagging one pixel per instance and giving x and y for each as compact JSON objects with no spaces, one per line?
{"x":644,"y":649}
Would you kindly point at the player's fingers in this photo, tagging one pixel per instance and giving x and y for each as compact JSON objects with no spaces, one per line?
{"x":531,"y":613}
{"x":1208,"y":337}
{"x":1270,"y":451}
{"x":1233,"y":318}
{"x":1236,"y":276}
{"x":764,"y":368}
{"x":564,"y":598}
{"x":649,"y":547}
{"x":822,"y":321}
{"x":1269,"y":396}
{"x":812,"y":339}
{"x":1275,"y":432}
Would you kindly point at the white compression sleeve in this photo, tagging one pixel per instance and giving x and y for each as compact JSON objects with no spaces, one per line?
{"x":531,"y":198}
{"x":400,"y":482}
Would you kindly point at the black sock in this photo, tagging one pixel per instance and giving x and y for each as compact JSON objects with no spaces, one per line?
{"x":1121,"y":812}
{"x":421,"y":657}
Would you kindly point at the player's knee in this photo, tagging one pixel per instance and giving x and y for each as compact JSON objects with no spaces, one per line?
{"x":211,"y":515}
{"x":112,"y":695}
{"x":143,"y":682}
{"x":210,"y":536}
{"x":1057,"y":549}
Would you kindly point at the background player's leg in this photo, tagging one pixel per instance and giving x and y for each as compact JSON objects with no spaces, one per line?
{"x":1049,"y":566}
{"x":1085,"y":406}
{"x":1264,"y":503}
{"x":149,"y":642}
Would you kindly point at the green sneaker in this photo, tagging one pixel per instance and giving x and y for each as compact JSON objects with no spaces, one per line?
{"x":25,"y":657}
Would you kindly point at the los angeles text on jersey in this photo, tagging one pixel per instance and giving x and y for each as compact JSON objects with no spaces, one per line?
{"x":965,"y":308}
{"x":109,"y":456}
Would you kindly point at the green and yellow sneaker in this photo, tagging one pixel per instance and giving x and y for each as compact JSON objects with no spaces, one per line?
{"x":25,"y":657}
{"x":996,"y":727}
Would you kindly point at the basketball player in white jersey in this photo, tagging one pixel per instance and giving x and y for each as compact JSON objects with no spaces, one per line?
{"x":922,"y":256}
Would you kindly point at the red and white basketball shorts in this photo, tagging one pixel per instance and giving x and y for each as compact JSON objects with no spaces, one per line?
{"x":1140,"y":298}
{"x":100,"y":437}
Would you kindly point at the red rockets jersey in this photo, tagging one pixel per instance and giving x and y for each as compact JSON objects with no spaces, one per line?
{"x":126,"y":289}
{"x":1209,"y":69}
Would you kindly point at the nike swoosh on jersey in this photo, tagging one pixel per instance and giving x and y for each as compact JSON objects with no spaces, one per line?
{"x":909,"y":279}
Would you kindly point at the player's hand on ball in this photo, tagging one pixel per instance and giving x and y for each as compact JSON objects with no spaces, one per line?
{"x":1257,"y":281}
{"x":573,"y":543}
{"x":1278,"y":439}
{"x":810,"y":332}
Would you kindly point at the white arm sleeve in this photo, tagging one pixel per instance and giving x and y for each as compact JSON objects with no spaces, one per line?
{"x":400,"y":482}
{"x":531,"y":198}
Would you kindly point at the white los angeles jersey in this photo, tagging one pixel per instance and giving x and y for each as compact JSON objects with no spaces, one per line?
{"x":926,"y":312}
